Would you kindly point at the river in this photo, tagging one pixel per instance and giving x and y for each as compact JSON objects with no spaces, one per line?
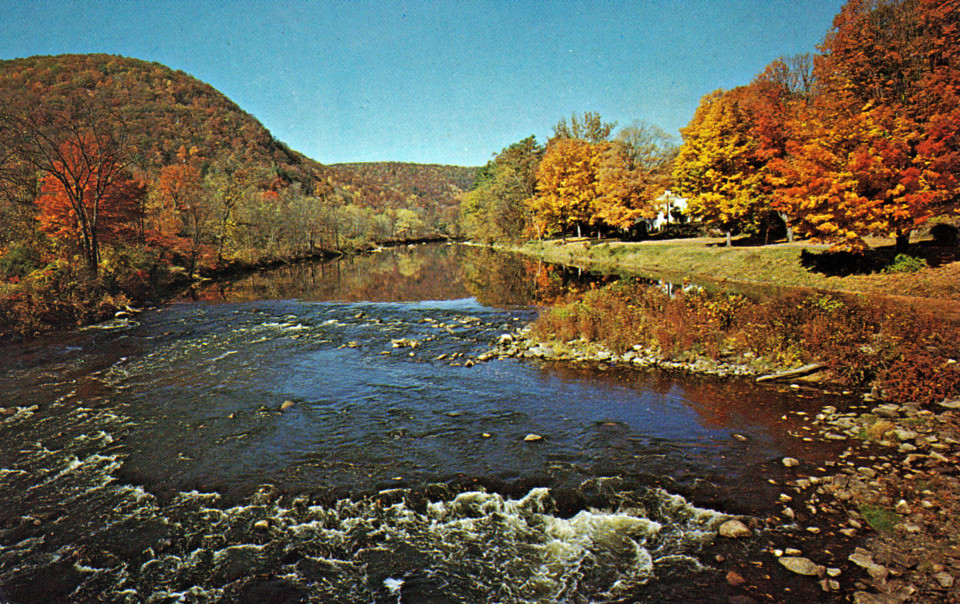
{"x":321,"y":433}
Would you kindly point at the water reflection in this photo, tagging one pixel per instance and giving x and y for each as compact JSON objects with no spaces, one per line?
{"x":410,"y":274}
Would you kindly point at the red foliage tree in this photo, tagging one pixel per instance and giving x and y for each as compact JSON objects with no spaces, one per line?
{"x":87,"y":197}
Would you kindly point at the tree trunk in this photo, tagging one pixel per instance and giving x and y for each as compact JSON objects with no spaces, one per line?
{"x":903,"y":241}
{"x":786,"y":222}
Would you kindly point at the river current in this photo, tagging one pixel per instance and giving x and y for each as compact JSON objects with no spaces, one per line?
{"x":322,"y":433}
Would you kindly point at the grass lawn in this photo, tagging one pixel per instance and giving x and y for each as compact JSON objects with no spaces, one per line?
{"x":707,"y":260}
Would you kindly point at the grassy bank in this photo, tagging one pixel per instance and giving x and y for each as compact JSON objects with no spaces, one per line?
{"x":875,"y":321}
{"x":902,"y":353}
{"x":795,"y":265}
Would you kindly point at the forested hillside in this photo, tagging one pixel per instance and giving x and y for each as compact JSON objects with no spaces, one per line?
{"x":433,"y":189}
{"x":116,"y":173}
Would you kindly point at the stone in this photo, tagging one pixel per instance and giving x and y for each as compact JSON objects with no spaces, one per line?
{"x":286,"y":405}
{"x":734,"y":529}
{"x":865,"y":597}
{"x":953,"y":404}
{"x":801,"y":566}
{"x":945,"y":579}
{"x":261,"y":525}
{"x":865,"y":561}
{"x":532,"y":438}
{"x":903,"y":435}
{"x":791,"y":462}
{"x":887,"y":410}
{"x":735,"y":579}
{"x":833,"y":572}
{"x":792,"y":551}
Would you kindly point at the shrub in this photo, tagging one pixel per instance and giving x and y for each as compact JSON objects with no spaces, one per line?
{"x":910,"y":355}
{"x":18,"y":261}
{"x":905,"y":263}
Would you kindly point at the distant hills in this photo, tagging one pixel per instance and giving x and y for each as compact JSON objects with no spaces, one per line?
{"x":163,"y":110}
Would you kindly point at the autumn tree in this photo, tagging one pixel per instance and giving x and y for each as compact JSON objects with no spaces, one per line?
{"x":567,"y":185}
{"x":649,"y":148}
{"x":182,"y":207}
{"x":495,"y":209}
{"x":877,"y":152}
{"x":580,"y":184}
{"x":589,"y":127}
{"x":97,"y":218}
{"x":80,"y":152}
{"x":626,"y":187}
{"x":717,"y":167}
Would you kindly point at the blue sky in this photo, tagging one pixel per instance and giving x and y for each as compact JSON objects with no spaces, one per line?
{"x":435,"y":82}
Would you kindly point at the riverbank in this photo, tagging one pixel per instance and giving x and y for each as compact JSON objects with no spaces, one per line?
{"x":877,"y":524}
{"x":800,"y":265}
{"x":891,"y":498}
{"x":62,"y":295}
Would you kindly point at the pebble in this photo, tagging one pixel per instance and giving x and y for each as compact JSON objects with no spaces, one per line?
{"x":864,"y":559}
{"x":945,"y":579}
{"x":801,"y":566}
{"x":532,"y":438}
{"x":735,"y":579}
{"x":261,"y":525}
{"x":286,"y":405}
{"x":791,"y":462}
{"x":734,"y":529}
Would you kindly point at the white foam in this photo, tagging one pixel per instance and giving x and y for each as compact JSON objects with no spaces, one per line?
{"x":393,"y":585}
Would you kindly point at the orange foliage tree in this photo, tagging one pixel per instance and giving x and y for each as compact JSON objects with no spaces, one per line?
{"x":88,"y":197}
{"x":582,"y":183}
{"x":182,"y":209}
{"x":877,"y":152}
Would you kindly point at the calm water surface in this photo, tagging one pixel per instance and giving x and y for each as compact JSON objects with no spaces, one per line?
{"x":317,"y":434}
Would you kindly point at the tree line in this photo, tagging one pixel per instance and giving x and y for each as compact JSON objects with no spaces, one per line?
{"x":859,"y":139}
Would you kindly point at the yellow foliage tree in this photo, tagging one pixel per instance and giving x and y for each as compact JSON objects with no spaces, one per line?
{"x":718,"y":167}
{"x":583,"y":183}
{"x":567,"y":185}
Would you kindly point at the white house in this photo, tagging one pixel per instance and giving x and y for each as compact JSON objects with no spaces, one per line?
{"x":671,"y":211}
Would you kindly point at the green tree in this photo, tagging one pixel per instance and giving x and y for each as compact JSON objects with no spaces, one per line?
{"x":495,"y":210}
{"x":590,"y":127}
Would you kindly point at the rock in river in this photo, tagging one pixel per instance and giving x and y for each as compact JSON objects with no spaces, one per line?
{"x":734,"y":529}
{"x":801,"y":566}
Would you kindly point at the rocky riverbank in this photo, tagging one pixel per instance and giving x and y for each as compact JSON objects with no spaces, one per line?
{"x":893,"y":494}
{"x":520,"y":344}
{"x":878,"y":524}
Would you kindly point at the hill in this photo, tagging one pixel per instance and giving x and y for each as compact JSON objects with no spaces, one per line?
{"x":434,"y":188}
{"x":117,"y":173}
{"x":161,"y":111}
